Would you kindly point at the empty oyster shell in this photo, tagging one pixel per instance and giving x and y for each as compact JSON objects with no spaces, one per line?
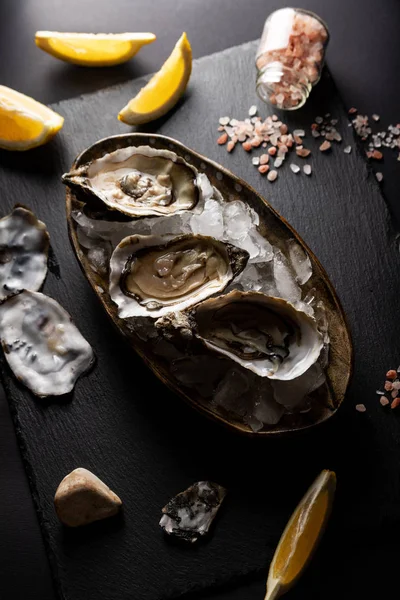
{"x":44,"y":349}
{"x":267,"y":335}
{"x":24,"y":246}
{"x":190,"y":514}
{"x":139,"y":181}
{"x":153,"y":276}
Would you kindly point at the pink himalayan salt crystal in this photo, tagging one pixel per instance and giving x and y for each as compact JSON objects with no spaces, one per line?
{"x":272,"y":151}
{"x":325,"y":146}
{"x":395,"y":403}
{"x":361,"y":407}
{"x":303,"y":152}
{"x":272,"y":175}
{"x":384,"y":401}
{"x":264,"y":169}
{"x":230,"y":146}
{"x":222,"y":139}
{"x":247,"y":146}
{"x":388,"y":386}
{"x":264,"y":159}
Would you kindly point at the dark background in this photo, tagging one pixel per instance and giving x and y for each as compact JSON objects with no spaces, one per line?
{"x":363,"y":56}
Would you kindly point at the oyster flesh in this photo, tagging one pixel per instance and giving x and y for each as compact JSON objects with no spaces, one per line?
{"x":153,"y":276}
{"x":190,"y":514}
{"x":43,"y":348}
{"x":24,"y":246}
{"x":267,"y":335}
{"x":139,"y":181}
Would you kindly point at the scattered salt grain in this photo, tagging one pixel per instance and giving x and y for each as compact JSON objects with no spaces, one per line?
{"x":222,"y":139}
{"x":278,"y":162}
{"x":304,"y":152}
{"x":361,"y":408}
{"x":264,"y":159}
{"x":384,"y":401}
{"x":318,"y":120}
{"x":391,"y":374}
{"x":295,"y":168}
{"x":263,"y":169}
{"x":307,"y":169}
{"x":379,"y":176}
{"x":347,"y":149}
{"x":299,"y":132}
{"x":253,"y":110}
{"x":325,"y":146}
{"x":224,"y":120}
{"x":352,"y":111}
{"x":395,"y":403}
{"x":255,"y":160}
{"x":272,"y":175}
{"x":376,"y":117}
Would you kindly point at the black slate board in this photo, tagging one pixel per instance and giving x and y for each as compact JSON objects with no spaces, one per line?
{"x":144,"y":442}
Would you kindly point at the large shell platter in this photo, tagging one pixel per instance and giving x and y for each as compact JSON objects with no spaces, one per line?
{"x":178,"y":357}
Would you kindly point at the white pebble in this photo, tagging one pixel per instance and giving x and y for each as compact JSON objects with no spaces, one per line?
{"x":295,"y":168}
{"x":272,"y":175}
{"x":307,"y":169}
{"x":224,"y":121}
{"x":252,"y":110}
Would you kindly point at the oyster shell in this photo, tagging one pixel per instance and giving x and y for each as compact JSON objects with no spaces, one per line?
{"x":139,"y":181}
{"x":267,"y":335}
{"x":153,"y":276}
{"x":43,"y":348}
{"x":24,"y":246}
{"x":190,"y":514}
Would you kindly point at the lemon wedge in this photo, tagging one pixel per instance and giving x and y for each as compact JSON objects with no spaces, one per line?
{"x":25,"y":123}
{"x":92,"y":49}
{"x":164,"y":88}
{"x":301,"y":536}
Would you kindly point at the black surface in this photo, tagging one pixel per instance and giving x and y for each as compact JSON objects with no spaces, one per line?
{"x":364,"y":58}
{"x":126,"y":427}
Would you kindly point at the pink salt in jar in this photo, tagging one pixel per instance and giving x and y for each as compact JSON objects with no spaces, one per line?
{"x":290,"y":57}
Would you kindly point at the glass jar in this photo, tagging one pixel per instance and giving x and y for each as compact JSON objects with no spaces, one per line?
{"x":290,"y":57}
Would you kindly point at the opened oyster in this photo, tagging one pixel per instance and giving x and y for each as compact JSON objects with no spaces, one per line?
{"x":139,"y":181}
{"x":264,"y":334}
{"x":24,"y":246}
{"x":190,"y":514}
{"x":44,"y":349}
{"x":152,"y":277}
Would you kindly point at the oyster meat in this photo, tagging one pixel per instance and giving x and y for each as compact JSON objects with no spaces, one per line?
{"x":267,"y":335}
{"x":43,"y":348}
{"x":152,"y":276}
{"x":24,"y":246}
{"x":139,"y":181}
{"x":190,"y":514}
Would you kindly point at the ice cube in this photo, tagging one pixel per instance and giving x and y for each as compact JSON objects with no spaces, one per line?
{"x":249,"y":279}
{"x":99,"y":258}
{"x":237,"y":220}
{"x":248,"y":244}
{"x":285,"y":281}
{"x":291,"y":393}
{"x":266,"y":409}
{"x":230,"y":392}
{"x":300,"y":262}
{"x":209,"y":222}
{"x":266,"y":252}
